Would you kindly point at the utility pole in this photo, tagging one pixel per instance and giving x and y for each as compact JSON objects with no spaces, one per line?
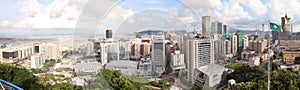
{"x":269,"y":59}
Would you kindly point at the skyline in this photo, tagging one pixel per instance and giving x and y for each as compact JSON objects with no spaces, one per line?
{"x":23,"y":17}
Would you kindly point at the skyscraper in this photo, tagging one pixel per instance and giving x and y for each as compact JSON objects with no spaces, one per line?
{"x":226,"y":29}
{"x":217,"y":28}
{"x":158,"y":54}
{"x":206,"y":26}
{"x":199,"y":53}
{"x":233,"y":41}
{"x":286,"y":28}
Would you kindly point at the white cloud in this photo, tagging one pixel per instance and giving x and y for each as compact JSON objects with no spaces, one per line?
{"x":31,"y":8}
{"x":256,"y":6}
{"x":58,"y":14}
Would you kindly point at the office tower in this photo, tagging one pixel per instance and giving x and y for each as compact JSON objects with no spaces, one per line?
{"x":199,"y":52}
{"x":206,"y":26}
{"x":217,"y":28}
{"x":108,"y":33}
{"x":158,"y":54}
{"x":225,"y":29}
{"x":233,"y":40}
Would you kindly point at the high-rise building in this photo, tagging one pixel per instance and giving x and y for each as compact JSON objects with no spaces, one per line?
{"x":206,"y":26}
{"x":135,"y":49}
{"x":217,"y":28}
{"x":228,"y":46}
{"x":286,"y":23}
{"x":226,"y":29}
{"x":233,"y":40}
{"x":145,"y":47}
{"x":286,"y":28}
{"x":199,"y":52}
{"x":158,"y":54}
{"x":245,"y":42}
{"x":51,"y":50}
{"x":240,"y":43}
{"x":177,"y":60}
{"x":125,"y":49}
{"x":37,"y":60}
{"x":90,"y":50}
{"x":108,"y":33}
{"x":107,"y":50}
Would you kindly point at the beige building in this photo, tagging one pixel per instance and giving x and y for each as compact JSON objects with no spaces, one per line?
{"x":290,"y":56}
{"x":257,"y":45}
{"x":206,"y":26}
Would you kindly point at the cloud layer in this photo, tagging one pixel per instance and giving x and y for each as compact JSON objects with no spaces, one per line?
{"x":183,"y":14}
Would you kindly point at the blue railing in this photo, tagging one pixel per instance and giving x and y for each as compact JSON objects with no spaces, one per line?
{"x":14,"y":87}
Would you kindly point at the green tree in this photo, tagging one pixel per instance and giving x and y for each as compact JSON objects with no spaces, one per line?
{"x":63,"y":86}
{"x":284,"y":80}
{"x":248,"y":73}
{"x":58,"y":60}
{"x":19,"y":76}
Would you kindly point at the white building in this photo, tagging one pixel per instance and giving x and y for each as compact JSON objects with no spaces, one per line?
{"x":254,"y":60}
{"x":211,"y":75}
{"x":37,"y":60}
{"x":125,"y":66}
{"x":177,"y":60}
{"x":108,"y":50}
{"x":93,"y":67}
{"x":199,"y":52}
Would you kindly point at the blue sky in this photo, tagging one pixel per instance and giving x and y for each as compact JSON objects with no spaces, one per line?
{"x":51,"y":14}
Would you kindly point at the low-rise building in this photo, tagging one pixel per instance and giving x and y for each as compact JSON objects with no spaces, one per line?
{"x":93,"y":67}
{"x":211,"y":75}
{"x":290,"y":57}
{"x":125,"y":66}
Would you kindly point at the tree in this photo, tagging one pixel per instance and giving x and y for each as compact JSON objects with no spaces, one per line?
{"x":117,"y":80}
{"x":248,"y":73}
{"x":63,"y":86}
{"x":284,"y":79}
{"x":58,"y":61}
{"x":19,"y":76}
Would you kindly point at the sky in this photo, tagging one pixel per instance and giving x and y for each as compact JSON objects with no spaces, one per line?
{"x":26,"y":17}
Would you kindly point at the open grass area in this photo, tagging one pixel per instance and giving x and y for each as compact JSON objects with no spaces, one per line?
{"x":235,"y":66}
